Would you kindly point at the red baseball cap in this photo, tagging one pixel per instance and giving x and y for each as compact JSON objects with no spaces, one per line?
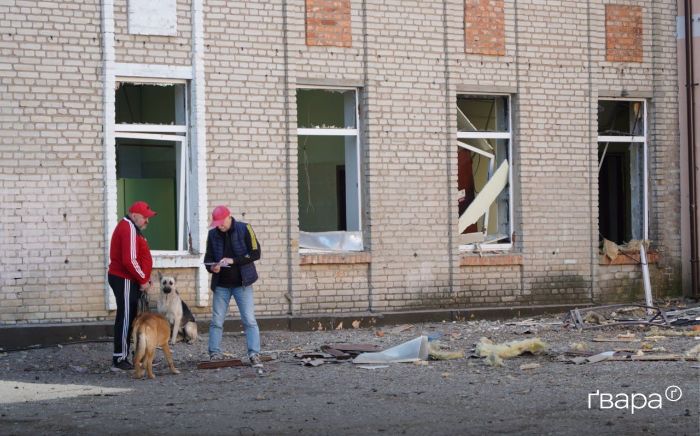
{"x":142,"y":208}
{"x":219,"y":215}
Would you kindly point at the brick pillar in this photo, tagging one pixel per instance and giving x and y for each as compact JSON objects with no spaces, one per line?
{"x":484,"y":27}
{"x":623,"y":33}
{"x":328,"y":23}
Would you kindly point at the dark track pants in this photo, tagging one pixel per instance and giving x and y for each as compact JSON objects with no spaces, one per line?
{"x":126,"y":292}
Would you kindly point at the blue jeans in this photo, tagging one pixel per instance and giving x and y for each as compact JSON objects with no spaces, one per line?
{"x":246,"y":306}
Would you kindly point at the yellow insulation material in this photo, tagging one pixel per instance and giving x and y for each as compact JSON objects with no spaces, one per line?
{"x":495,"y":353}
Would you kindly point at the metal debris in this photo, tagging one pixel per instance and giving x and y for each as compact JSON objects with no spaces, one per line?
{"x":617,"y":315}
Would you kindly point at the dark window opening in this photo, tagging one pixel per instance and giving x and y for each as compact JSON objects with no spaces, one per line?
{"x":146,"y":170}
{"x":620,"y":192}
{"x":150,"y":104}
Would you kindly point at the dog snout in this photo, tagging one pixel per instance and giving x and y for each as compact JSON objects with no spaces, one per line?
{"x":167,"y":285}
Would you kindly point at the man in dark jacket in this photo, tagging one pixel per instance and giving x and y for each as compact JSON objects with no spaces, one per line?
{"x":129,"y":275}
{"x":231,"y":250}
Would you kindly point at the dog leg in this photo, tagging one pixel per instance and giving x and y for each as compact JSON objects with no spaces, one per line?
{"x":150,"y":354}
{"x":176,"y":329}
{"x":191,"y":332}
{"x":169,"y":358}
{"x":139,"y":355}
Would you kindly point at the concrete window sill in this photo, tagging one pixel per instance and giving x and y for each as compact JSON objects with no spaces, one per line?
{"x":490,"y":260}
{"x":334,"y":258}
{"x":176,"y":260}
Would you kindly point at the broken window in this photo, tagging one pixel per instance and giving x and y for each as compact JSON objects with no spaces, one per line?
{"x":484,"y":171}
{"x":329,"y":170}
{"x":151,"y":165}
{"x":622,"y":191}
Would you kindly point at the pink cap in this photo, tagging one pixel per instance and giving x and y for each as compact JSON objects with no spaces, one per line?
{"x":219,"y":215}
{"x":142,"y":208}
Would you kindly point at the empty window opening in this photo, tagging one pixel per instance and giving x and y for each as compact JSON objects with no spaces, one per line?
{"x":622,"y":204}
{"x":151,"y":164}
{"x":139,"y":103}
{"x":483,"y":171}
{"x":328,"y":177}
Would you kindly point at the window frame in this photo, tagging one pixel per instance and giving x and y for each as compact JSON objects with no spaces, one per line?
{"x":496,"y":246}
{"x":177,"y":133}
{"x":347,"y":240}
{"x":634,"y":139}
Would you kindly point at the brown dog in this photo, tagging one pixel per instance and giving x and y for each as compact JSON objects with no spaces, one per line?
{"x":150,"y":330}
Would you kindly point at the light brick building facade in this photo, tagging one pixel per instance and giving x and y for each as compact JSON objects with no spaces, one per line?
{"x":408,"y":71}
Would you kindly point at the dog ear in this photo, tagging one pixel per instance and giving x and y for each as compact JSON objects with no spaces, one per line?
{"x":160,"y":276}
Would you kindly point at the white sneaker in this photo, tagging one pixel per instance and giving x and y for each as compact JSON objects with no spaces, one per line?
{"x":217,"y":356}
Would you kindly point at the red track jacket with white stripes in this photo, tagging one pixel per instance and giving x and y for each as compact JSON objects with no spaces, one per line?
{"x":129,"y":255}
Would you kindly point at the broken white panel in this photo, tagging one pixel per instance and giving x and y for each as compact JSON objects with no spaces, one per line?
{"x":153,"y":17}
{"x":492,"y":160}
{"x":476,"y":150}
{"x":464,"y":125}
{"x":488,"y":195}
{"x":411,"y":351}
{"x":331,"y":241}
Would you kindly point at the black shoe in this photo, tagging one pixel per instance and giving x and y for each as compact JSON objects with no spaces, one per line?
{"x":122,"y":365}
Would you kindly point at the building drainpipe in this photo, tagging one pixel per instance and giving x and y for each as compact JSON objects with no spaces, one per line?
{"x":692,"y":171}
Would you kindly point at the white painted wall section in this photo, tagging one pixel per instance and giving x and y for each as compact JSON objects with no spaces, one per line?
{"x":153,"y":17}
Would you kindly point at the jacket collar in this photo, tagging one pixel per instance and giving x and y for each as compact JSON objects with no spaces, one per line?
{"x":227,"y":232}
{"x":138,"y":231}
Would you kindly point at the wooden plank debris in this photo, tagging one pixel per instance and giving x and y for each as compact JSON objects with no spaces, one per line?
{"x":214,"y":364}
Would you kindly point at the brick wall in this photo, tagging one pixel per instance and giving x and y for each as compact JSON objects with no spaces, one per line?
{"x":328,"y":23}
{"x":50,"y":162}
{"x":150,"y":49}
{"x":484,"y":27}
{"x":408,"y":60}
{"x":623,"y":33}
{"x":246,"y":128}
{"x":652,"y":76}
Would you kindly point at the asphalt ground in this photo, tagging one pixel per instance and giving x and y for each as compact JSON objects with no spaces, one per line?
{"x":70,"y":390}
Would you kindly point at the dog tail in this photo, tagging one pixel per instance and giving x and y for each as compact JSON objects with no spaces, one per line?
{"x":141,"y":342}
{"x":134,"y":329}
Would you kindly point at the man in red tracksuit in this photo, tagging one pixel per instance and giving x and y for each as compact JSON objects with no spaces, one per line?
{"x":129,"y":275}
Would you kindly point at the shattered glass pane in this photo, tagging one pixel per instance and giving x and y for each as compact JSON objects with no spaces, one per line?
{"x":620,"y":118}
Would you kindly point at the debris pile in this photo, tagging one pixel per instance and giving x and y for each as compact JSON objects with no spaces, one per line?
{"x":334,"y":353}
{"x":631,"y":314}
{"x":615,"y":314}
{"x":416,"y":350}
